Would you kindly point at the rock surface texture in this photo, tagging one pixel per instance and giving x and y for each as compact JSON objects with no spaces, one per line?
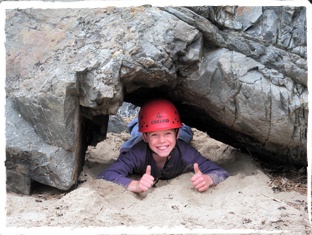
{"x":237,"y":73}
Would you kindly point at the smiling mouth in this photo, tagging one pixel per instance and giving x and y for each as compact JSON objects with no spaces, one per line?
{"x":163,"y":147}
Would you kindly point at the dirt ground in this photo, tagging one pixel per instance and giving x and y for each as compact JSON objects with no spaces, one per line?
{"x":250,"y":201}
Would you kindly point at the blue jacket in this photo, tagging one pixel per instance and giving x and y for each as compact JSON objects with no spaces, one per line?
{"x":182,"y":159}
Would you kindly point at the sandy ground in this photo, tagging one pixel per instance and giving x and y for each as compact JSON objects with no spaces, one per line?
{"x":247,"y":202}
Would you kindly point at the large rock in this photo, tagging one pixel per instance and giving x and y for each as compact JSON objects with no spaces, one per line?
{"x":238,"y":73}
{"x":30,"y":157}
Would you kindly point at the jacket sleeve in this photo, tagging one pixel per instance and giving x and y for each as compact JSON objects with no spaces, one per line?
{"x":126,"y":164}
{"x":206,"y":166}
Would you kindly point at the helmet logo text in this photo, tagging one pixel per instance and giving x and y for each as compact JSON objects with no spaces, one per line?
{"x":159,"y":121}
{"x":159,"y":116}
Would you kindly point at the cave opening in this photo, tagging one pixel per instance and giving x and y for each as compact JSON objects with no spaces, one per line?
{"x":99,"y":146}
{"x":97,"y":127}
{"x":221,"y":145}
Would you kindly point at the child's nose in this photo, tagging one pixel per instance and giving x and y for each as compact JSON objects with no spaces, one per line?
{"x":161,"y":138}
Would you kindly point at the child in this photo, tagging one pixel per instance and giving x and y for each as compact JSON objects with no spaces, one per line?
{"x":158,"y":153}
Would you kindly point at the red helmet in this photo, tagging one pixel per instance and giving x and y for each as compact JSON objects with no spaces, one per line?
{"x":158,"y":114}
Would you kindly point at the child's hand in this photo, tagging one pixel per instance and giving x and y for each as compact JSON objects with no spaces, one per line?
{"x":144,"y":184}
{"x":201,"y":181}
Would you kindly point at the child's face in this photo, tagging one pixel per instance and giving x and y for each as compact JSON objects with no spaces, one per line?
{"x":161,"y":142}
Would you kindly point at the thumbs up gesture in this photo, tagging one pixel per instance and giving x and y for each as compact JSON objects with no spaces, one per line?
{"x":200,"y":181}
{"x":146,"y":182}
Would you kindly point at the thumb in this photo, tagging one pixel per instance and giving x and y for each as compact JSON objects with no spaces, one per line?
{"x":148,"y":170}
{"x":196,"y":169}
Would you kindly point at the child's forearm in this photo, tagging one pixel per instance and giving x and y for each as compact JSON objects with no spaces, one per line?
{"x":218,"y":176}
